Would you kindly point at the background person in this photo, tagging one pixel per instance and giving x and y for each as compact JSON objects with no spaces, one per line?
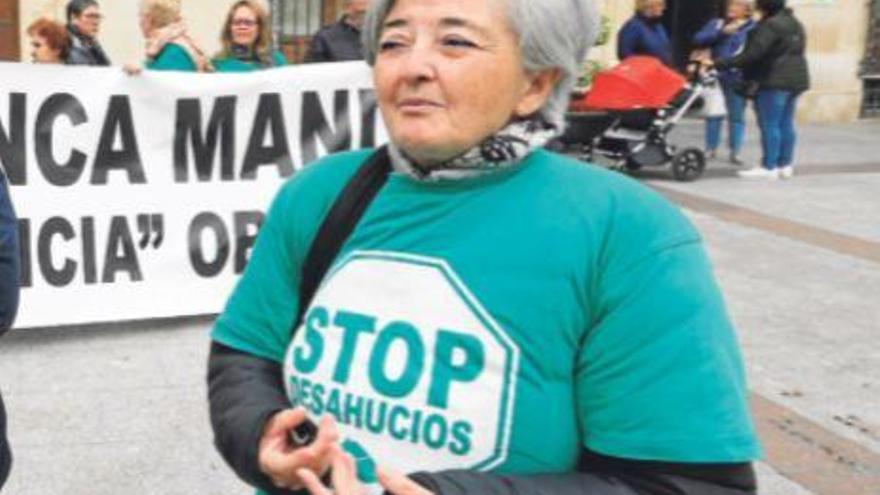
{"x":168,"y":43}
{"x":50,"y":42}
{"x":726,"y":37}
{"x":644,"y":33}
{"x":9,"y":292}
{"x":83,"y":23}
{"x":623,"y":350}
{"x":774,"y":60}
{"x":341,"y":41}
{"x":247,"y":40}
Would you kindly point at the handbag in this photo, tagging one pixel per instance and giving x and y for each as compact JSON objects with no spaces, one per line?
{"x":714,"y":104}
{"x":747,"y":88}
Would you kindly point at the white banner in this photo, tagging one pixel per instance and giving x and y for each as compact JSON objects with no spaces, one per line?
{"x":140,"y":197}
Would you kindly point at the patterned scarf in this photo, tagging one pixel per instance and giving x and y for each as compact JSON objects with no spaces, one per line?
{"x":249,"y":55}
{"x":503,"y":150}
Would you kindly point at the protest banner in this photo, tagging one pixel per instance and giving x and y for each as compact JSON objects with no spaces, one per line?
{"x":141,"y":196}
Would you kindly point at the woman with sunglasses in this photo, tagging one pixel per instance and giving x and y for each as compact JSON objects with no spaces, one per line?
{"x":247,"y":40}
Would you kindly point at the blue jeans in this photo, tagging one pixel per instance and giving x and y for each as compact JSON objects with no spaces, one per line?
{"x":736,"y":118}
{"x":776,"y":109}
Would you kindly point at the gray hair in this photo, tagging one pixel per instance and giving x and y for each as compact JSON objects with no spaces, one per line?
{"x":553,"y":34}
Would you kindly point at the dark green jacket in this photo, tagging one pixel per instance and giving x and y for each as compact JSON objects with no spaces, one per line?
{"x":234,"y":64}
{"x":774,"y":54}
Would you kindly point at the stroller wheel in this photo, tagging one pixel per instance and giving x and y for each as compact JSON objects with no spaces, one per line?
{"x":688,"y":165}
{"x":632,"y":165}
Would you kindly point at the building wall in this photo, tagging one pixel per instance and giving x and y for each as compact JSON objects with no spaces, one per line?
{"x":836,"y":30}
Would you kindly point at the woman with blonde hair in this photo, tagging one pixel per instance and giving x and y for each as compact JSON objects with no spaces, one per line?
{"x":168,"y":43}
{"x":247,"y":40}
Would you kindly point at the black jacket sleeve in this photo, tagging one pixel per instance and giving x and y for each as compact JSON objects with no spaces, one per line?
{"x":9,"y":260}
{"x":9,"y":287}
{"x":244,"y":391}
{"x":602,"y":475}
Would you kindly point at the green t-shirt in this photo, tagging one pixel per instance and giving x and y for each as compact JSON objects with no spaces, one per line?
{"x":501,"y":322}
{"x":231,"y":64}
{"x":173,"y":57}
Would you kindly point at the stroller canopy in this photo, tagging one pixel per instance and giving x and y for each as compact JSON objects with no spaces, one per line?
{"x":636,"y":83}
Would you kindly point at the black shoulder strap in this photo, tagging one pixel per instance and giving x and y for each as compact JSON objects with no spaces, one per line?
{"x":340,"y":222}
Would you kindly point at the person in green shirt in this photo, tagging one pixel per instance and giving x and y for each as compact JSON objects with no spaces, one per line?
{"x":502,"y":319}
{"x":169,"y":47}
{"x":247,"y":40}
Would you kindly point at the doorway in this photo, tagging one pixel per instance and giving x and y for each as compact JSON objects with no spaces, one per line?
{"x":9,"y":42}
{"x":871,"y":65}
{"x":298,"y":20}
{"x":683,"y":19}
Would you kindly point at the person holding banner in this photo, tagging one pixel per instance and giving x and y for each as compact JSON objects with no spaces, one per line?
{"x":83,"y":23}
{"x":247,"y":40}
{"x":50,"y":43}
{"x":169,"y":45}
{"x":9,"y":289}
{"x":469,"y":309}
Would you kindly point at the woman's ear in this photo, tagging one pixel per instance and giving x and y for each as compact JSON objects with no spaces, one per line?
{"x":539,"y":85}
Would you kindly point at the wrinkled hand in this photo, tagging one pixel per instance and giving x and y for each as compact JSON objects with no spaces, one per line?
{"x":399,"y":484}
{"x":345,"y":481}
{"x":733,"y":27}
{"x":281,"y":461}
{"x":132,"y":69}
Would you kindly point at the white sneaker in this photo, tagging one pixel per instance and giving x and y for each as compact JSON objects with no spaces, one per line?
{"x":758,"y":173}
{"x":786,"y":172}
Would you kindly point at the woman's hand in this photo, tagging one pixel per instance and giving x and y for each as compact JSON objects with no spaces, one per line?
{"x":733,"y":26}
{"x":282,"y":462}
{"x":399,"y":484}
{"x":132,"y":69}
{"x":345,"y":481}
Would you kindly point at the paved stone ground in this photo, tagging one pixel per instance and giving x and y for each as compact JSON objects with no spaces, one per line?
{"x":120,"y":408}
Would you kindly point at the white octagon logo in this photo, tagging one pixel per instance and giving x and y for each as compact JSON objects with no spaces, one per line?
{"x":415,"y":371}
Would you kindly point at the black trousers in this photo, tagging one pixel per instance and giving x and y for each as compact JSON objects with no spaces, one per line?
{"x":5,"y":454}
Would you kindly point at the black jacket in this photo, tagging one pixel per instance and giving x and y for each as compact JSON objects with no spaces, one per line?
{"x":244,"y":391}
{"x":336,"y":43}
{"x":775,"y":54}
{"x":9,"y":274}
{"x":85,"y":50}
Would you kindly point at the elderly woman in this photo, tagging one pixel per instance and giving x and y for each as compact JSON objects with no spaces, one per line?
{"x":168,"y":43}
{"x":774,"y":61}
{"x":644,"y":33}
{"x":726,"y":37}
{"x":247,"y":40}
{"x":50,"y":42}
{"x":498,"y":318}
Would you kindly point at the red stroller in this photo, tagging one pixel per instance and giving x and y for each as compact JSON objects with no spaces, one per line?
{"x":628,"y":114}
